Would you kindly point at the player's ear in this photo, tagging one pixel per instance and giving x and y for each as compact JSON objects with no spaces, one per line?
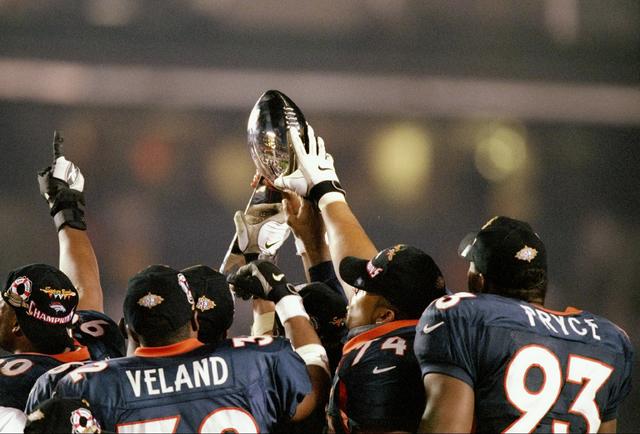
{"x":386,"y":315}
{"x":16,"y":330}
{"x":476,"y":282}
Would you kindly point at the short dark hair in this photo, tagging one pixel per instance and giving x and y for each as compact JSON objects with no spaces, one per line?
{"x":526,"y":284}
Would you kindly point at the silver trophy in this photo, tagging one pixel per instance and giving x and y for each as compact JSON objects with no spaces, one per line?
{"x":271,"y":117}
{"x":273,"y":155}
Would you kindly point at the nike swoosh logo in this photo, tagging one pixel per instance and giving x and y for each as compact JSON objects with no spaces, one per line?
{"x":377,"y":370}
{"x":277,"y":277}
{"x":428,"y":329}
{"x":269,"y":245}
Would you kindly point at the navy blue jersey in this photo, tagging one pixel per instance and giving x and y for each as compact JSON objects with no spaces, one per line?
{"x":532,"y":369}
{"x":46,"y":383}
{"x":100,"y":339}
{"x":247,"y":384}
{"x":18,"y":373}
{"x":100,"y":334}
{"x":378,"y":385}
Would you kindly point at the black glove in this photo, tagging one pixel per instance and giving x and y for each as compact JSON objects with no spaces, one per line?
{"x":261,"y":279}
{"x":61,"y":185}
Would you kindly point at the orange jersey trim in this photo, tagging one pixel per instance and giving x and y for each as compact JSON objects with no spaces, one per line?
{"x":80,"y":354}
{"x":169,"y":350}
{"x":570,"y":310}
{"x":376,"y":332}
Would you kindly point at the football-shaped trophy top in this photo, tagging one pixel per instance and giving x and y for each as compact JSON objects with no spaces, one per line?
{"x":271,"y":117}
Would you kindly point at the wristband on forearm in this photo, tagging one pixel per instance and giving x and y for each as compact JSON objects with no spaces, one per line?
{"x":319,"y":190}
{"x":68,"y":210}
{"x":72,"y":217}
{"x":290,"y":306}
{"x":314,"y":354}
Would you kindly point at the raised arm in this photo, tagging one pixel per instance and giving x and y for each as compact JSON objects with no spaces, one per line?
{"x":316,"y":180}
{"x":78,"y":261}
{"x":263,"y":279}
{"x":62,"y":186}
{"x":308,"y":229}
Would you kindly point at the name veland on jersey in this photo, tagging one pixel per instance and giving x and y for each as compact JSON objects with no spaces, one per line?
{"x":566,"y":325}
{"x":210,"y":371}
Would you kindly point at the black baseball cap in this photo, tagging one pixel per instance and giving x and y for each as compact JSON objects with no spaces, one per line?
{"x":158,"y":300}
{"x":405,"y":275}
{"x":62,"y":415}
{"x":213,"y":298}
{"x":503,"y":248}
{"x":326,"y":307}
{"x":44,"y":300}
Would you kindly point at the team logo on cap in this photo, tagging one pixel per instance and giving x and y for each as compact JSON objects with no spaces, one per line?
{"x":373,"y":270}
{"x":16,"y":298}
{"x":204,"y":304}
{"x":182,"y":281}
{"x":58,"y":307}
{"x":82,"y":421}
{"x":337,"y":322}
{"x":60,"y":294}
{"x":393,"y":250}
{"x":527,"y":254}
{"x":150,"y":300}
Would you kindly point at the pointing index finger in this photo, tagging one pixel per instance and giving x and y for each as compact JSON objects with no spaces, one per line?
{"x":57,"y":145}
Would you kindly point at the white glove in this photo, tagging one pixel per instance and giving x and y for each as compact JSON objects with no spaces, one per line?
{"x":262,"y":230}
{"x":68,"y":172}
{"x":314,"y":167}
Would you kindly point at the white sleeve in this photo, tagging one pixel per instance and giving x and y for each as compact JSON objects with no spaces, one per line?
{"x":12,"y":420}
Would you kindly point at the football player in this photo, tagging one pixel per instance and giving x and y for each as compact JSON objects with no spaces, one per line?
{"x":51,"y":316}
{"x":500,"y":358}
{"x":175,"y":383}
{"x":377,"y":386}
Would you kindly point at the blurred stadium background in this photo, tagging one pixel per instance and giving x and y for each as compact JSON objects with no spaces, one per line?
{"x":440,"y":114}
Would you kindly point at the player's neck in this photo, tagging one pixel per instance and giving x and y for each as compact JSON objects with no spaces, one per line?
{"x":27,"y":346}
{"x":24,"y":346}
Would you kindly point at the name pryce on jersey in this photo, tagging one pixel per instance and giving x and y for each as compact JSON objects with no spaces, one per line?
{"x":566,"y":325}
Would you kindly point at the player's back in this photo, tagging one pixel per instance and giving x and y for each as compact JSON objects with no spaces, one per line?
{"x":377,"y":384}
{"x":532,"y":369}
{"x":102,"y":339}
{"x":245,"y":384}
{"x":19,"y":372}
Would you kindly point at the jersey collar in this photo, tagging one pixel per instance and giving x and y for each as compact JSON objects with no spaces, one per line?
{"x":570,"y":310}
{"x":376,"y":332}
{"x":80,"y":354}
{"x":169,"y":350}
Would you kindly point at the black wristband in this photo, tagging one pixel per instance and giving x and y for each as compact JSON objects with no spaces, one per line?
{"x":319,"y":190}
{"x":72,"y":217}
